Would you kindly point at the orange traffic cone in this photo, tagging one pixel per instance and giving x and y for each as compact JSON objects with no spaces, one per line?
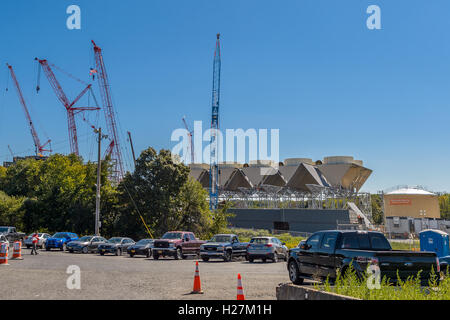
{"x":197,"y":284}
{"x":17,"y":250}
{"x":4,"y":253}
{"x":240,"y":290}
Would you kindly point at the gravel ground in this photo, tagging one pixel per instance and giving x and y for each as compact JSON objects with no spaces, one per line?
{"x":109,"y":277}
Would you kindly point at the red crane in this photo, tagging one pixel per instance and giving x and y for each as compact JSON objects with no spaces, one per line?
{"x":37,"y":143}
{"x":191,"y":141}
{"x":102,"y":77}
{"x":71,"y":110}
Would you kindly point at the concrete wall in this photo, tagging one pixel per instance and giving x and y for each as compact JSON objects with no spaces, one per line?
{"x":289,"y":291}
{"x":303,"y":220}
{"x":397,"y":205}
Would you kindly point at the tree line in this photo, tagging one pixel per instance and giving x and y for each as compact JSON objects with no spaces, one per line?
{"x":58,"y":194}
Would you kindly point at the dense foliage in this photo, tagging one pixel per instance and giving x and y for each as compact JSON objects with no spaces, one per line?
{"x":58,"y":194}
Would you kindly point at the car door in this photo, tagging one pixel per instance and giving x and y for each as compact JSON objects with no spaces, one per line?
{"x":307,"y":257}
{"x":235,"y":245}
{"x":93,"y":244}
{"x":326,"y":261}
{"x":187,"y":243}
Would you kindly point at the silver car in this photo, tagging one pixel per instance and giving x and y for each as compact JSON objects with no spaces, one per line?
{"x":266,"y":248}
{"x":41,"y":242}
{"x":85,"y":244}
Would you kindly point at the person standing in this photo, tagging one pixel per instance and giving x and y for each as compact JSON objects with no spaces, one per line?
{"x":34,"y":242}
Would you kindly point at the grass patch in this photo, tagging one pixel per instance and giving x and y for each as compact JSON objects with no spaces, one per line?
{"x":410,"y":289}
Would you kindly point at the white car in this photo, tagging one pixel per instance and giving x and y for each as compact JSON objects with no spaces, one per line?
{"x":41,"y":242}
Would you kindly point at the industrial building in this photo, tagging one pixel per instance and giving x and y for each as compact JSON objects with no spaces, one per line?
{"x":301,"y":194}
{"x":411,"y":202}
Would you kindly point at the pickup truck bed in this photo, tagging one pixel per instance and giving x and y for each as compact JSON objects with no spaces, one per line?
{"x":326,"y":252}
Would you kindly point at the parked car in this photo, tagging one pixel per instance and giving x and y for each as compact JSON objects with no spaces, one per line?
{"x":85,"y":244}
{"x":116,"y":245}
{"x":42,"y":238}
{"x":177,"y":244}
{"x":325,"y":253}
{"x":59,"y":240}
{"x":3,"y":239}
{"x":266,"y":248}
{"x":142,"y":247}
{"x":12,"y":235}
{"x":223,"y":246}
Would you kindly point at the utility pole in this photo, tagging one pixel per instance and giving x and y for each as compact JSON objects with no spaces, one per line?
{"x":97,"y":199}
{"x":132,"y":148}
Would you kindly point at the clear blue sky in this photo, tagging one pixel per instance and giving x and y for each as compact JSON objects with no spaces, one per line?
{"x":309,"y":68}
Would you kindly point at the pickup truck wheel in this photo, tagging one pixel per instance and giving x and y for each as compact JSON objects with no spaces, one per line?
{"x":275,"y":258}
{"x":227,"y":256}
{"x":179,"y":254}
{"x":294,"y":273}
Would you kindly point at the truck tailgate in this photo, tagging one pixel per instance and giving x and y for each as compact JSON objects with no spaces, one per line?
{"x":407,"y":263}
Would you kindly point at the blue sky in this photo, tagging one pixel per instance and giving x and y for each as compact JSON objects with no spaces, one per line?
{"x":309,"y":68}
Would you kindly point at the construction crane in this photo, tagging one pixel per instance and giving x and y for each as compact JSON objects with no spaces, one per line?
{"x":214,"y":163}
{"x":40,"y":148}
{"x":102,"y":77}
{"x":191,"y":141}
{"x":10,"y":151}
{"x":71,"y":110}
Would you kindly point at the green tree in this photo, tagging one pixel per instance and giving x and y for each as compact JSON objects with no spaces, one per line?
{"x":11,"y":210}
{"x":377,"y":209}
{"x":160,"y":191}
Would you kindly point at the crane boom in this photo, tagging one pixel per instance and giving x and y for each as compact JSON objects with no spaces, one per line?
{"x":214,"y":162}
{"x":71,"y":110}
{"x":37,"y":143}
{"x":116,"y":154}
{"x":191,"y":141}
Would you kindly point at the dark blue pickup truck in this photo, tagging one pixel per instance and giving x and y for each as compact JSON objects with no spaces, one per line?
{"x":326,"y":252}
{"x":223,"y":246}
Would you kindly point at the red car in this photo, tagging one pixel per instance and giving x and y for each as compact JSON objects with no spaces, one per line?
{"x":177,"y":244}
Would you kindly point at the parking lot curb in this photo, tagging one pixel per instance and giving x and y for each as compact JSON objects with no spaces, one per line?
{"x":289,"y":291}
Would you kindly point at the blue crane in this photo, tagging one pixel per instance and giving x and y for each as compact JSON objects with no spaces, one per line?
{"x":214,"y":163}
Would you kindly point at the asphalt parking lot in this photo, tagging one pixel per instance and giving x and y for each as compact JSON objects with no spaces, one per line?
{"x":121,"y":277}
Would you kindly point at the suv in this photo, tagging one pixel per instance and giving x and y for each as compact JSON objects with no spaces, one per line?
{"x":224,"y":246}
{"x":177,"y":244}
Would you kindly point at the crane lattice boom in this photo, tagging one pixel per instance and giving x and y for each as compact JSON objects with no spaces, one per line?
{"x":71,"y":110}
{"x":214,"y":163}
{"x":116,"y":154}
{"x":37,"y":143}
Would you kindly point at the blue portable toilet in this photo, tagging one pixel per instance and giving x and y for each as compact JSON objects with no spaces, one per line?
{"x":435,"y":241}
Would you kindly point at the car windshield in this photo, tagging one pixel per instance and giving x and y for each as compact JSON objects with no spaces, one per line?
{"x":221,"y":239}
{"x":144,"y":241}
{"x":85,"y":238}
{"x":3,"y":229}
{"x":172,"y":235}
{"x":259,"y":240}
{"x":60,"y":235}
{"x":115,"y":240}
